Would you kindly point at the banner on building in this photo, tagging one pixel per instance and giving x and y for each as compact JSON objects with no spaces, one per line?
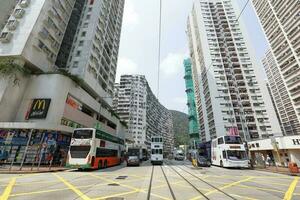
{"x":233,"y":131}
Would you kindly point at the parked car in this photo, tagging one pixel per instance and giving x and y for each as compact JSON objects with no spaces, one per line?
{"x":179,"y":156}
{"x":203,"y":162}
{"x":133,"y":161}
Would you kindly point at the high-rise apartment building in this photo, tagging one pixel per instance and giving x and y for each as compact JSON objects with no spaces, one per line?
{"x":231,"y":99}
{"x":280,"y":21}
{"x":58,"y":42}
{"x":94,"y":52}
{"x":286,"y":112}
{"x":136,"y":104}
{"x":130,"y":104}
{"x":193,"y":118}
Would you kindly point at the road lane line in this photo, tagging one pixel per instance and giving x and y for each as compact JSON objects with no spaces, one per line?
{"x":224,"y":187}
{"x":73,"y":188}
{"x":63,"y":189}
{"x":116,"y":195}
{"x":289,"y":193}
{"x":128,"y":186}
{"x":8,"y":189}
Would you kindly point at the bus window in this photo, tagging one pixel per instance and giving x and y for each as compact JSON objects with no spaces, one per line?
{"x":236,"y":155}
{"x":83,"y":134}
{"x":233,"y":140}
{"x":224,"y":155}
{"x":220,"y":140}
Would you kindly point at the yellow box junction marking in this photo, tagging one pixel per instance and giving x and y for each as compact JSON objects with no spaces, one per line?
{"x":8,"y":189}
{"x":73,"y":188}
{"x":224,"y":187}
{"x":289,"y":193}
{"x":134,"y":189}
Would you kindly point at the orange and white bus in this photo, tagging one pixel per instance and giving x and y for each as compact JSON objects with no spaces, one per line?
{"x":94,"y":149}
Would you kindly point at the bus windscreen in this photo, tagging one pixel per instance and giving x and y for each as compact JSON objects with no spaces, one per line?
{"x":83,"y":134}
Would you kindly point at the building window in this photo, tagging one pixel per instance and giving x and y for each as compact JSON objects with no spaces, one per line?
{"x":75,"y":64}
{"x":78,"y":53}
{"x":81,"y":43}
{"x":83,"y":34}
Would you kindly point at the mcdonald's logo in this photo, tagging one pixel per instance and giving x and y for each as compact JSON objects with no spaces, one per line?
{"x":39,"y":104}
{"x":39,"y":108}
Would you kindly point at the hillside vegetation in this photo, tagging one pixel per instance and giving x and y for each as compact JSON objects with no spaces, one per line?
{"x":180,"y":127}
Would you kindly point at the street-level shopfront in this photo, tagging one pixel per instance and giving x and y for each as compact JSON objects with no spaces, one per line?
{"x":282,"y":150}
{"x":33,"y":147}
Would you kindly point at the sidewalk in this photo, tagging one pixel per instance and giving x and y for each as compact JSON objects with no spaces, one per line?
{"x":27,"y":169}
{"x":279,"y":170}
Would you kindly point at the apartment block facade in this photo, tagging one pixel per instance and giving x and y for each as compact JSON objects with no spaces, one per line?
{"x":136,"y":104}
{"x":280,"y":21}
{"x":231,"y":99}
{"x":286,"y":113}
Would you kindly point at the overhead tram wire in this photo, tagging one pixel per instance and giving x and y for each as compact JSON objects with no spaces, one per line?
{"x":237,"y":20}
{"x":159,"y":47}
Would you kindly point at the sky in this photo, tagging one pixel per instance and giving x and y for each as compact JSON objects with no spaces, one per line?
{"x":138,"y":53}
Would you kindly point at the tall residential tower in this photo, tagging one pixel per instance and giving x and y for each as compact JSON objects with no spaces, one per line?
{"x":232,"y":100}
{"x":286,"y":113}
{"x":136,"y":104}
{"x":280,"y":21}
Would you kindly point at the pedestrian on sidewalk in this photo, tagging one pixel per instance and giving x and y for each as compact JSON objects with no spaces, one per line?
{"x":268,"y":160}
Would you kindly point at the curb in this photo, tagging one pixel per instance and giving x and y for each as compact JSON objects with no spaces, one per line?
{"x":31,"y":172}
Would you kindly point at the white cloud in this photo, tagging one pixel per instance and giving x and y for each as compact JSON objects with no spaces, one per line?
{"x":130,"y":17}
{"x":125,"y":66}
{"x":172,"y":64}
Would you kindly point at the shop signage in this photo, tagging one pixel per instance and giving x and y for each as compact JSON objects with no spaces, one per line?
{"x":73,"y":103}
{"x":296,"y":141}
{"x":39,"y":109}
{"x":70,"y":123}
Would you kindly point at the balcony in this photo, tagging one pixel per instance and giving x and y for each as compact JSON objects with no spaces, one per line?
{"x":19,"y":13}
{"x":24,"y":3}
{"x":12,"y":24}
{"x":5,"y":37}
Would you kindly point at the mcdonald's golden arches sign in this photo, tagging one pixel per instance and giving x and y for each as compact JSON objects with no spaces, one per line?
{"x":39,"y":108}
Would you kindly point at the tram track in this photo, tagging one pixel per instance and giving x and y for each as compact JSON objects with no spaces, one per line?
{"x":216,"y":188}
{"x":169,"y":185}
{"x":198,"y":178}
{"x":150,"y":184}
{"x":191,"y":184}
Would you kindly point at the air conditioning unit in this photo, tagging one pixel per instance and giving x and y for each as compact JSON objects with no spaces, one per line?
{"x":19,"y":12}
{"x":24,"y":3}
{"x":12,"y":24}
{"x":5,"y":36}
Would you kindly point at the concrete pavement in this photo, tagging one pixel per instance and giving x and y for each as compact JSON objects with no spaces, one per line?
{"x":181,"y":181}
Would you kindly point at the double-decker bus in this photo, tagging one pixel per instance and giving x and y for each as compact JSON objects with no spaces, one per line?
{"x":229,"y":151}
{"x":157,"y":150}
{"x":94,"y":149}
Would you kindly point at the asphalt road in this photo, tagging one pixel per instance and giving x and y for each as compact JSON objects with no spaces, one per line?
{"x":174,"y":180}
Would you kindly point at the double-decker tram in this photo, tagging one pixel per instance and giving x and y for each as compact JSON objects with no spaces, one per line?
{"x":94,"y":149}
{"x":157,"y":150}
{"x":229,"y":151}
